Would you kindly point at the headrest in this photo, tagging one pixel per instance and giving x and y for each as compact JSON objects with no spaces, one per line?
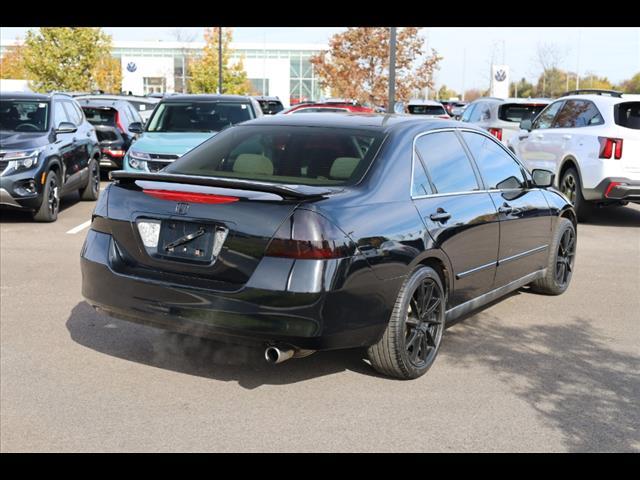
{"x":343,"y":167}
{"x":253,"y":163}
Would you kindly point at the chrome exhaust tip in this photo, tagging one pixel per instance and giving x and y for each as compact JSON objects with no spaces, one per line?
{"x":277,"y":355}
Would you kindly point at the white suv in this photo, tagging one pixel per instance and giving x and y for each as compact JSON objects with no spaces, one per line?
{"x":592,"y":142}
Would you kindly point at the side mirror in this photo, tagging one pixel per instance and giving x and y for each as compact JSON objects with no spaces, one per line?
{"x":526,"y":125}
{"x":543,"y":178}
{"x":66,"y":127}
{"x":136,"y":127}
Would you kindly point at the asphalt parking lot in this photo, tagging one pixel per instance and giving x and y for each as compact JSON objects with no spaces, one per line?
{"x":529,"y":373}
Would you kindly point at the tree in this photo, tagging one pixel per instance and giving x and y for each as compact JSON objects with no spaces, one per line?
{"x":203,"y":71}
{"x":522,"y":89}
{"x":591,"y":80}
{"x":473,"y":94}
{"x":12,"y":65}
{"x":108,"y":74}
{"x":357,"y":64}
{"x":445,"y":94}
{"x":632,"y":85}
{"x":67,"y":58}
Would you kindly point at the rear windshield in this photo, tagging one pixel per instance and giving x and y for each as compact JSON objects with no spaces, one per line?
{"x":24,"y":115}
{"x":426,"y":110}
{"x":628,"y":115}
{"x":516,"y":112}
{"x":142,"y":106}
{"x":198,"y":116}
{"x":100,"y":116}
{"x":284,"y":154}
{"x":270,"y":107}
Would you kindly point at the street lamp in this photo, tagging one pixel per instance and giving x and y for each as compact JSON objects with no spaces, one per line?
{"x":220,"y":60}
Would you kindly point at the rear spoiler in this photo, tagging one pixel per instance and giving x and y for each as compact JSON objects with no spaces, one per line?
{"x":286,"y":191}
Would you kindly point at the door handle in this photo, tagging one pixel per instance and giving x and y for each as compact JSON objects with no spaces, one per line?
{"x":539,"y":135}
{"x":440,"y":216}
{"x":566,"y":137}
{"x":509,"y":210}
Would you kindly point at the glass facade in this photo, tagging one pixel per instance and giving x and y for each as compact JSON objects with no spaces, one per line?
{"x":303,"y":83}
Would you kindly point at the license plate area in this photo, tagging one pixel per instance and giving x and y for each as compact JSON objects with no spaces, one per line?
{"x":192,"y":242}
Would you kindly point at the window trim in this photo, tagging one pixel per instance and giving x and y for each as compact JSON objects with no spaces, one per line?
{"x":523,"y":170}
{"x":457,"y":131}
{"x":414,"y":152}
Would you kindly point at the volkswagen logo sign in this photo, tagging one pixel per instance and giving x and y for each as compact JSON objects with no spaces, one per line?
{"x":132,"y":67}
{"x":500,"y":75}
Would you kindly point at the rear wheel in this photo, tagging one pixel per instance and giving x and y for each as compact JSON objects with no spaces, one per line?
{"x":92,"y":189}
{"x":561,"y":260}
{"x":48,"y":211}
{"x":571,"y":187}
{"x":412,"y":339}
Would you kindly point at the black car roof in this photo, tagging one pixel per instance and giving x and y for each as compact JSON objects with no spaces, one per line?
{"x":31,"y":96}
{"x":204,"y":98}
{"x":372,"y":121}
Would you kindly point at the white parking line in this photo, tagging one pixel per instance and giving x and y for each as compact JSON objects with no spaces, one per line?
{"x":80,"y":227}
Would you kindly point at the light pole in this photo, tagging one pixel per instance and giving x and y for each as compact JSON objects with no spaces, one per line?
{"x":220,"y":60}
{"x":392,"y":70}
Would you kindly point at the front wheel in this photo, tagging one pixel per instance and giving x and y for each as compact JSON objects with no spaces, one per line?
{"x":561,"y":262}
{"x":412,"y":339}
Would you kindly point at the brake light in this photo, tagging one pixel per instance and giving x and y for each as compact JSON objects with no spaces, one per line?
{"x":113,"y":153}
{"x":119,"y":123}
{"x":496,"y":132}
{"x":610,"y":146}
{"x":191,"y":197}
{"x":310,"y":236}
{"x":611,"y":186}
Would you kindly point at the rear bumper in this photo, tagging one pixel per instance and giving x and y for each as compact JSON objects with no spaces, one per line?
{"x":332,"y":314}
{"x":616,"y":189}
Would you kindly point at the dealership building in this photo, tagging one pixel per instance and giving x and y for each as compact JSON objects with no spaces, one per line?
{"x":282,"y":70}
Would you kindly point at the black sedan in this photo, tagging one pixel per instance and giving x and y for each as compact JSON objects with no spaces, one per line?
{"x":312,"y":232}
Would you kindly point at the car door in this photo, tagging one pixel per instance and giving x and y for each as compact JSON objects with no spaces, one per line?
{"x":458,"y":213}
{"x":525,"y":218}
{"x":67,"y":147}
{"x":83,"y":144}
{"x":537,"y":148}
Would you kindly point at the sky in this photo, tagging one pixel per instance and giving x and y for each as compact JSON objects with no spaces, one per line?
{"x":467,"y":51}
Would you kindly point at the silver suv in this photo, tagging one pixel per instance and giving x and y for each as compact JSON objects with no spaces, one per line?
{"x":502,"y":116}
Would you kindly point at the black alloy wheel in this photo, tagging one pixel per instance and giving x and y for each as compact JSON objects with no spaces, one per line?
{"x":565,"y":258}
{"x":423,"y":325}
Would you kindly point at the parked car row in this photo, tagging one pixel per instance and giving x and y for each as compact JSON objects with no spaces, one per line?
{"x":589,"y":138}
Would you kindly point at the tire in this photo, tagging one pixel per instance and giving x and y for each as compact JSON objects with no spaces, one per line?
{"x":92,"y":190}
{"x":571,"y":187}
{"x":48,"y":211}
{"x":410,"y":344}
{"x":562,"y":256}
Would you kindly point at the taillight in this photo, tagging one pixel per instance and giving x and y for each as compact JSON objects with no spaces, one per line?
{"x":610,"y":146}
{"x":308,"y":235}
{"x":119,"y":123}
{"x":496,"y":132}
{"x":191,"y":197}
{"x":113,"y":153}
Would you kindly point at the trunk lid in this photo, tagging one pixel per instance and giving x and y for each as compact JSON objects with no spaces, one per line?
{"x":212,"y":245}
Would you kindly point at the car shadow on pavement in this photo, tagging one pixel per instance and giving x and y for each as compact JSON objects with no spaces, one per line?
{"x":21,"y":216}
{"x":200,"y":356}
{"x":566,"y":372}
{"x":626,"y":216}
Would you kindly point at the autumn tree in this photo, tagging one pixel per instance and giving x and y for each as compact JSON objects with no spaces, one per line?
{"x":108,"y":74}
{"x":522,"y":89}
{"x":445,"y":93}
{"x":67,"y":58}
{"x":473,"y":94}
{"x":591,"y":80}
{"x":356,"y":66}
{"x":12,"y":66}
{"x":632,"y":85}
{"x":203,"y":71}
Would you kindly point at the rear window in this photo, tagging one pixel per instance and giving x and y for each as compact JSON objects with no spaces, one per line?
{"x":100,"y":116}
{"x":270,"y":107}
{"x":426,"y":110}
{"x":516,"y":112}
{"x":628,"y":115}
{"x":284,"y":154}
{"x":198,"y":116}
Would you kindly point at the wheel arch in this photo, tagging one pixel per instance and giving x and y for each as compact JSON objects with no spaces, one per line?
{"x":436,"y":260}
{"x":568,"y":162}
